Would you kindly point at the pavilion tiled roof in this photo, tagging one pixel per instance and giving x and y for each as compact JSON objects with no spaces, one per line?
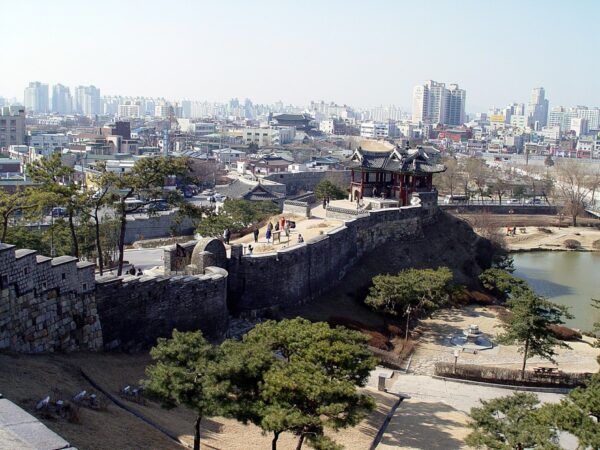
{"x":397,"y":160}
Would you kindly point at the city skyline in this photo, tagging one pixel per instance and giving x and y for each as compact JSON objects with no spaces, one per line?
{"x":358,"y":55}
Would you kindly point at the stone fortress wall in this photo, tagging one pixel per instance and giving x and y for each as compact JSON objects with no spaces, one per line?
{"x":50,"y":304}
{"x":47,"y":304}
{"x":135,"y":311}
{"x":259,"y":283}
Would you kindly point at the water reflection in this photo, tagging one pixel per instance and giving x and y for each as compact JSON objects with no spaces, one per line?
{"x":567,"y":278}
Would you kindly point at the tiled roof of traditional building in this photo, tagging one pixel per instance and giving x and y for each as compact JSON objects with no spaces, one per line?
{"x":397,"y":160}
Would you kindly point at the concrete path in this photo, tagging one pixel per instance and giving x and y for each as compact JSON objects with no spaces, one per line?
{"x":435,"y":415}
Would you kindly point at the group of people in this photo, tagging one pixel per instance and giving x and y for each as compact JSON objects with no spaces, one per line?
{"x":133,"y":272}
{"x":281,"y":225}
{"x":511,"y":231}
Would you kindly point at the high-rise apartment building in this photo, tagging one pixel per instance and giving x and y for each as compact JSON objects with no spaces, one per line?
{"x":36,"y":97}
{"x":434,"y":103}
{"x":537,"y":110}
{"x":87,"y":100}
{"x":455,"y":106}
{"x":62,"y":101}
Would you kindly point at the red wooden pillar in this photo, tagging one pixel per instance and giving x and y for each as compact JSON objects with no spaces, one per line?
{"x":362,"y":184}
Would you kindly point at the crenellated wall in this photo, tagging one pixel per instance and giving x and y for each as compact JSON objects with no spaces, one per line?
{"x":46,"y":304}
{"x":135,"y":311}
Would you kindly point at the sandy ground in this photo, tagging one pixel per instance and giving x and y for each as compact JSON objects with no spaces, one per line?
{"x":25,"y":379}
{"x":309,"y":228}
{"x":435,"y":345}
{"x":531,"y":238}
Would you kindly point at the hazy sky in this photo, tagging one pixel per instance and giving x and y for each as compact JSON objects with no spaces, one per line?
{"x":363,"y":53}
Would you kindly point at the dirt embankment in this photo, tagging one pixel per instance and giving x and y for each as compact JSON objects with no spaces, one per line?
{"x":553,"y":238}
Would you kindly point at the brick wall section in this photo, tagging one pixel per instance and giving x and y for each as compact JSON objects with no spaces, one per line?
{"x":46,"y":304}
{"x":291,"y":276}
{"x":135,"y":311}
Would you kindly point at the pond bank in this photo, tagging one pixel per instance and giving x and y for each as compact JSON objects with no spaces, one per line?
{"x":529,"y":239}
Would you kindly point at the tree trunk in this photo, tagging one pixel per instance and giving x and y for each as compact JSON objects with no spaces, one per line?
{"x":4,"y":228}
{"x":74,"y":244}
{"x":197,"y":433}
{"x":300,"y":442}
{"x":524,"y":359}
{"x":274,"y":441}
{"x":574,"y":220}
{"x":122,"y":240}
{"x":98,"y":243}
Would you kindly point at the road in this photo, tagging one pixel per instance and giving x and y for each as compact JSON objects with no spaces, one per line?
{"x":144,"y":258}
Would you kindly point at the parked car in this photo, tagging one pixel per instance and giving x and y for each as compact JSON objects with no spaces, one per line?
{"x":513,"y":201}
{"x":59,"y":212}
{"x":158,"y":206}
{"x":534,"y":201}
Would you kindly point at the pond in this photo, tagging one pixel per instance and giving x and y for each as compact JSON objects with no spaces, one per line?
{"x":567,"y":278}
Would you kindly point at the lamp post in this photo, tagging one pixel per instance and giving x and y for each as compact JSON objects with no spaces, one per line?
{"x":407,"y":320}
{"x":456,"y":353}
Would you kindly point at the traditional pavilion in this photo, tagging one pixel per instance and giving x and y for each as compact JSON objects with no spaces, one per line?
{"x":393,"y":174}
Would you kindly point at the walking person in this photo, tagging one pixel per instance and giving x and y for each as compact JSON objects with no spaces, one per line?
{"x":250,"y":249}
{"x":255,"y":232}
{"x":226,"y":235}
{"x":268,"y":235}
{"x":324,"y":202}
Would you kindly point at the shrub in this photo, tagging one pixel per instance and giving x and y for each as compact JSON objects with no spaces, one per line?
{"x":545,"y":230}
{"x":572,"y":244}
{"x":564,"y":333}
{"x":596,"y":244}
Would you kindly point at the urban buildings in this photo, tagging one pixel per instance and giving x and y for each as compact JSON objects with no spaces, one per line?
{"x":374,"y":130}
{"x":36,"y":97}
{"x":87,"y":100}
{"x":537,"y":109}
{"x":434,"y":103}
{"x":12,"y":126}
{"x":62,"y":101}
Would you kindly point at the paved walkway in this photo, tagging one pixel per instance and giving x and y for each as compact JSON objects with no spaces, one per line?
{"x":435,"y":414}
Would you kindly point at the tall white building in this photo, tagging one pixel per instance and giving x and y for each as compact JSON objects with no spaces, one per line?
{"x":36,"y":97}
{"x":62,"y":101}
{"x":374,"y":130}
{"x":537,"y":109}
{"x":87,"y":100}
{"x":434,"y":103}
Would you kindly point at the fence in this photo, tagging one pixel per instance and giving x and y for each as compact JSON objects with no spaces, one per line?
{"x":510,"y":377}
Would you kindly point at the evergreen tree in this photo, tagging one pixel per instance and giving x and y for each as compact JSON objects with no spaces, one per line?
{"x":511,"y":422}
{"x":528,"y":327}
{"x":185,"y":372}
{"x":424,"y":290}
{"x":299,"y":377}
